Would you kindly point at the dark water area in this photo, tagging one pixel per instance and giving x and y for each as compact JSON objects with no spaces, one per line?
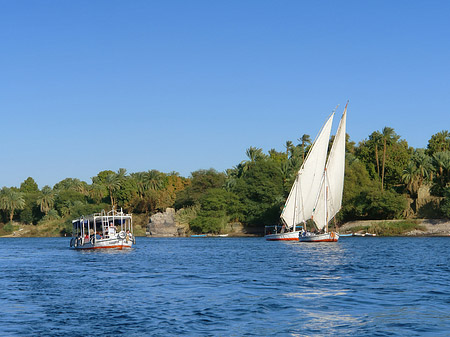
{"x":226,"y":287}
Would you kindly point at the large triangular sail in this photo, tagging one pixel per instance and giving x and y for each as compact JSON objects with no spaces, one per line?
{"x":329,"y":200}
{"x":299,"y":204}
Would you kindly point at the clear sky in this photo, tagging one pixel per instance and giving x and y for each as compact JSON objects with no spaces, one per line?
{"x":185,"y":85}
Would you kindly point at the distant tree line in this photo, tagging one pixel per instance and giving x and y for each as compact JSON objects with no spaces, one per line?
{"x":383,"y":180}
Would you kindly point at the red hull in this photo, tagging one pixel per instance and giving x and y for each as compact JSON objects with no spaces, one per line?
{"x":104,"y":247}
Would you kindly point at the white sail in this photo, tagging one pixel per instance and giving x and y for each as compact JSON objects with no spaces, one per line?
{"x":290,"y":207}
{"x":329,"y":200}
{"x":300,"y":203}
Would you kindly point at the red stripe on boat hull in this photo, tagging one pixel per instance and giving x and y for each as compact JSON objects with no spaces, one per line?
{"x":103,"y":247}
{"x":325,"y":240}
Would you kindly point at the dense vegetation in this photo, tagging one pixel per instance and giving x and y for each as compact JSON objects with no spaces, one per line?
{"x":384,"y":179}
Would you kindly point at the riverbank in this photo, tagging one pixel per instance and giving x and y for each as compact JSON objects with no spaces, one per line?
{"x":423,"y":227}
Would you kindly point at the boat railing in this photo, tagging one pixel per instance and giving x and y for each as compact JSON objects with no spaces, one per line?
{"x":112,"y":213}
{"x":275,"y":229}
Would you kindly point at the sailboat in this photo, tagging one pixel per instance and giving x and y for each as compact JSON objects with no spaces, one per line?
{"x":316,"y":193}
{"x":329,"y":198}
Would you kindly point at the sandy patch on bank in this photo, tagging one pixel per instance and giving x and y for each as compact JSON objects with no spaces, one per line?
{"x":434,"y":227}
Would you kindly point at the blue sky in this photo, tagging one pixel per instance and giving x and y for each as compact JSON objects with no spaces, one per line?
{"x":184,"y":85}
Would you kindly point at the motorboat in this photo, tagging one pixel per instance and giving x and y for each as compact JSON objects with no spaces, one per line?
{"x":113,"y":229}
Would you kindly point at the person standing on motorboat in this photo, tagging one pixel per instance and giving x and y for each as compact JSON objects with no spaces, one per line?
{"x":129,"y":236}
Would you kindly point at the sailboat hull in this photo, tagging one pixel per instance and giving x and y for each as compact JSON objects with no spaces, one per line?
{"x":288,"y":236}
{"x":325,"y":237}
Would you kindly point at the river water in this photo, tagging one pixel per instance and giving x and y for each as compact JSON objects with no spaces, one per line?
{"x":226,"y":287}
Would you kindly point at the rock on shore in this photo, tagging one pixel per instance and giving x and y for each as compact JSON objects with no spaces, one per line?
{"x":164,"y":225}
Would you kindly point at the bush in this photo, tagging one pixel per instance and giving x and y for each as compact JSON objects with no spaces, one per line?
{"x":51,"y":215}
{"x":218,"y":207}
{"x":9,"y":228}
{"x":186,"y":215}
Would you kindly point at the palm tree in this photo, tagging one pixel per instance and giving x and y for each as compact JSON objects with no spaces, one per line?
{"x":377,"y":139}
{"x":97,"y":191}
{"x":139,"y":178}
{"x":439,"y":142}
{"x":46,"y":200}
{"x":409,"y":176}
{"x":289,"y":146}
{"x":305,"y":140}
{"x":254,"y":154}
{"x":388,"y":136}
{"x":11,"y":200}
{"x":112,"y":183}
{"x":121,"y":173}
{"x":232,"y":176}
{"x":441,"y":161}
{"x":81,"y":187}
{"x":423,"y":164}
{"x":154,"y":180}
{"x":73,"y":184}
{"x":285,"y":169}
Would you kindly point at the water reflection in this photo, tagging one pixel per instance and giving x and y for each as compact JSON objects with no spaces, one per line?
{"x":317,"y":293}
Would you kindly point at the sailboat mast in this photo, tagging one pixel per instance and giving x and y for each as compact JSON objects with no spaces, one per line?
{"x":295,"y":207}
{"x":326,"y":199}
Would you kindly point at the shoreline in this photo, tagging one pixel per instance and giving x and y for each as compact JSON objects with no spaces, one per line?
{"x":433,"y":227}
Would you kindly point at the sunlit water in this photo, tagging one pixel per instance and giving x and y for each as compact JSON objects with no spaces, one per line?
{"x":226,"y":287}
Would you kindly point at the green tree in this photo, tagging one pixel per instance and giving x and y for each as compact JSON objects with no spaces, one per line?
{"x":29,"y":186}
{"x":424,"y":165}
{"x":155,"y":180}
{"x":357,"y":184}
{"x":305,"y":140}
{"x":384,"y":205}
{"x":445,"y":204}
{"x":111,"y":181}
{"x":254,"y":154}
{"x":73,"y":184}
{"x":261,"y":193}
{"x":140,"y":181}
{"x":439,"y":142}
{"x":441,"y":163}
{"x":201,"y":182}
{"x":65,"y":200}
{"x":388,"y":136}
{"x":289,"y":148}
{"x":30,"y":214}
{"x":418,"y":171}
{"x":376,"y":139}
{"x":394,"y":158}
{"x":218,"y":207}
{"x":46,"y":199}
{"x":11,"y":200}
{"x":409,"y":177}
{"x":125,"y":194}
{"x":96,"y":192}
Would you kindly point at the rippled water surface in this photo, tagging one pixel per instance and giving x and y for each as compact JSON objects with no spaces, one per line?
{"x":226,"y":287}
